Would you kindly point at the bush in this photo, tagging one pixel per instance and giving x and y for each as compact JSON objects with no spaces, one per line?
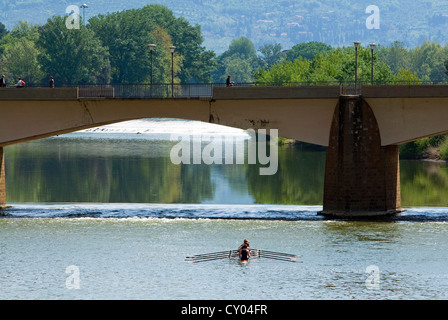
{"x":418,"y":149}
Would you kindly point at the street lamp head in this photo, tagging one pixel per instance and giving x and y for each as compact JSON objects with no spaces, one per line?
{"x":151,"y":46}
{"x":172,"y":48}
{"x":357,"y":43}
{"x":84,"y":6}
{"x":372,"y":46}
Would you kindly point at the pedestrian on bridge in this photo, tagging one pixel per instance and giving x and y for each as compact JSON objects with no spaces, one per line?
{"x":20,"y":83}
{"x":229,"y":83}
{"x":3,"y":81}
{"x":51,"y":83}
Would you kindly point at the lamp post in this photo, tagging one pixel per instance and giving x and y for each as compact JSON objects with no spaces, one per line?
{"x":172,"y":48}
{"x":151,"y":49}
{"x":372,"y":48}
{"x":84,"y":6}
{"x":356,"y":43}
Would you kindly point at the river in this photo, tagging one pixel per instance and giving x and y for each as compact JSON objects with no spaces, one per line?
{"x":105,"y":214}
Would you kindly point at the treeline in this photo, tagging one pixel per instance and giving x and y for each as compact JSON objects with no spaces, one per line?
{"x":109,"y":48}
{"x":318,"y":62}
{"x":113,"y":48}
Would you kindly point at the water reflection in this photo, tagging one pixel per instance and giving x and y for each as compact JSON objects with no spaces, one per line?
{"x":67,"y":170}
{"x":139,"y":170}
{"x":424,"y":183}
{"x":378,"y":233}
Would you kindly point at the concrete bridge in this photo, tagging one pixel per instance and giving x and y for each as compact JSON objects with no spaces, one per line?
{"x":361,"y":132}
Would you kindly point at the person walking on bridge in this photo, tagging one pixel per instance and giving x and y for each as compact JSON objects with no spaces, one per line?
{"x":3,"y":81}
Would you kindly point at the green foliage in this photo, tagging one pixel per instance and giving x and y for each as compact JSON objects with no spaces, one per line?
{"x":294,"y":182}
{"x":307,"y":50}
{"x":113,"y":47}
{"x":406,"y":77}
{"x":266,"y":21}
{"x":240,"y":61}
{"x":411,"y":150}
{"x":285,"y":73}
{"x":72,"y":55}
{"x":423,"y":183}
{"x":336,"y":65}
{"x":428,"y":61}
{"x":3,"y":31}
{"x":271,"y":54}
{"x":396,"y":56}
{"x":128,"y":33}
{"x":21,"y":57}
{"x":419,"y":149}
{"x":443,"y":150}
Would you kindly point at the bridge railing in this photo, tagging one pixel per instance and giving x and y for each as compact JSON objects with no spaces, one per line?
{"x":205,"y":90}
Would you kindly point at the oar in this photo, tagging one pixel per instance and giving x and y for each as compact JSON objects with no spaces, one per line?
{"x":278,"y":253}
{"x":266,"y":254}
{"x":208,"y":257}
{"x":279,"y":258}
{"x":211,"y":259}
{"x":216,"y":255}
{"x":209,"y":254}
{"x":276,"y":256}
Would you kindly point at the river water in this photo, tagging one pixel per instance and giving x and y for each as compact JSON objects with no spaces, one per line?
{"x":105,"y":214}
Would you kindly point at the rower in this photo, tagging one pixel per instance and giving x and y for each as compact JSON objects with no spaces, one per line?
{"x":245,"y":242}
{"x":244,"y":253}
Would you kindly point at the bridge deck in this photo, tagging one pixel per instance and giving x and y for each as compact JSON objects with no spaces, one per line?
{"x":403,"y":112}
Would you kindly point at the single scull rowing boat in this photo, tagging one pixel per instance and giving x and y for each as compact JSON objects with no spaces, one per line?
{"x":254,"y":253}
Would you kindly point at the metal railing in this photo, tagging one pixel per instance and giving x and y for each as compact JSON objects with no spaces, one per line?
{"x":205,"y":90}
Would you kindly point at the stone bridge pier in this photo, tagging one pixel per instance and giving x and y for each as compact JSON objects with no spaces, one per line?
{"x":2,"y":180}
{"x":362,"y":178}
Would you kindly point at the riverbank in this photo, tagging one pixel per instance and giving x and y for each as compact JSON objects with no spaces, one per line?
{"x":429,"y":149}
{"x":432,"y":149}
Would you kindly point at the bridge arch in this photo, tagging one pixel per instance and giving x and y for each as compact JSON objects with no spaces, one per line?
{"x":30,"y":120}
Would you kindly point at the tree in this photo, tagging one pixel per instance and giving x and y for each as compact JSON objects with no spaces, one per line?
{"x":128,"y":33}
{"x":3,"y":30}
{"x":427,"y":61}
{"x":307,"y":50}
{"x":18,"y":53}
{"x":21,"y":61}
{"x":239,"y":68}
{"x":162,"y":71}
{"x":22,"y":30}
{"x":241,"y":53}
{"x":241,"y":46}
{"x":271,"y":54}
{"x":72,"y":55}
{"x":285,"y":73}
{"x":406,"y":77}
{"x":396,"y":56}
{"x":197,"y":63}
{"x":336,"y":66}
{"x":127,"y":37}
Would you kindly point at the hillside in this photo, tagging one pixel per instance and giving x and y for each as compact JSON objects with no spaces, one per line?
{"x":288,"y":22}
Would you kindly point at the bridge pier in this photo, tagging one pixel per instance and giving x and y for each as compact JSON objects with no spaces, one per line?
{"x":362,"y":177}
{"x":2,"y":180}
